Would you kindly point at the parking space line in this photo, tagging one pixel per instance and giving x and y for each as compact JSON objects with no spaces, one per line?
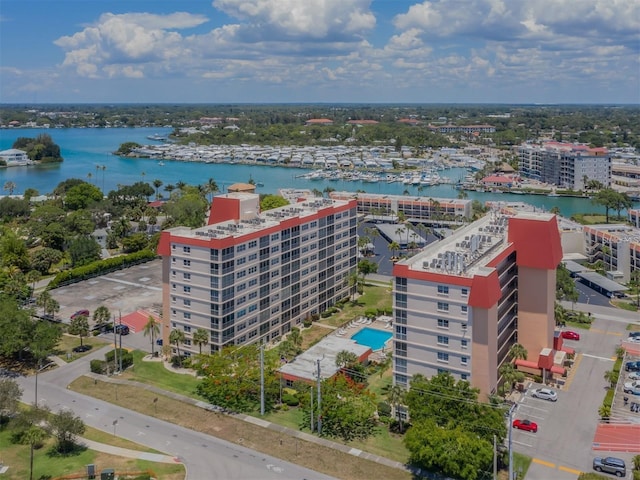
{"x":522,"y":405}
{"x":570,"y":470}
{"x":542,"y":462}
{"x":608,"y":359}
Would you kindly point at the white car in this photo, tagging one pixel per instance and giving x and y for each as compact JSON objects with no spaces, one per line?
{"x":633,"y":340}
{"x":633,"y":376}
{"x":632,"y":387}
{"x":545,"y":394}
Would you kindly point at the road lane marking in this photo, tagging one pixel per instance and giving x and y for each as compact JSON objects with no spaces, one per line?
{"x":542,"y":462}
{"x":570,"y":470}
{"x":615,"y":334}
{"x":523,"y":444}
{"x":609,"y":359}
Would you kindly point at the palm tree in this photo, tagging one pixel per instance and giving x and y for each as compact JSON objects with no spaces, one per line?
{"x":517,"y":352}
{"x":345,"y":358}
{"x":157,"y":183}
{"x":396,"y":398}
{"x":212,"y":187}
{"x":355,"y":284}
{"x":200,"y":338}
{"x":101,"y":317}
{"x":611,"y":377}
{"x":295,"y":337}
{"x":34,"y":435}
{"x":152,"y":329}
{"x":9,"y":186}
{"x":177,"y":337}
{"x":394,"y":247}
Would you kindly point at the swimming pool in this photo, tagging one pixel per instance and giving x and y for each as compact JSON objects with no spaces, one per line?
{"x":372,"y":337}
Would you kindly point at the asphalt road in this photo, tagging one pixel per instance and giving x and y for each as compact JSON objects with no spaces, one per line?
{"x":204,"y":456}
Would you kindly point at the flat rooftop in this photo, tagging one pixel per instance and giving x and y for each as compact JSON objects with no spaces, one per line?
{"x":258,"y":221}
{"x":470,"y":248}
{"x":305,"y":365}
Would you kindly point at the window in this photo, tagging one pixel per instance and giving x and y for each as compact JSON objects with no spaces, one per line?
{"x":443,"y":357}
{"x":443,"y":307}
{"x":186,"y":302}
{"x":464,"y":360}
{"x":442,"y":323}
{"x":464,"y":376}
{"x":187,"y":328}
{"x":187,"y":276}
{"x":186,"y":315}
{"x":464,"y":308}
{"x":275,"y":236}
{"x":186,"y":263}
{"x":241,"y":248}
{"x":442,"y":340}
{"x":464,"y":292}
{"x":186,"y":249}
{"x":464,"y":343}
{"x":464,"y":327}
{"x":443,"y":290}
{"x":186,"y":289}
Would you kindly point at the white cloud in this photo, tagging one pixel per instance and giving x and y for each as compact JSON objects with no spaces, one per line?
{"x":316,"y":19}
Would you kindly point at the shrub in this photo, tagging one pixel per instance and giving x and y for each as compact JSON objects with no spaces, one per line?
{"x":384,"y":409}
{"x":100,"y":266}
{"x":127,"y":358}
{"x":370,"y":312}
{"x":98,"y":366}
{"x":306,"y":323}
{"x":290,"y":400}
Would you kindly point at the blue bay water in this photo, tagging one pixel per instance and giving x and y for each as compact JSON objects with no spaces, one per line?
{"x":86,"y":150}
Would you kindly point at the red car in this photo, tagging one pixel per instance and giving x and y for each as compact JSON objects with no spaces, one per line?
{"x":569,"y":335}
{"x":525,"y":425}
{"x":80,"y":313}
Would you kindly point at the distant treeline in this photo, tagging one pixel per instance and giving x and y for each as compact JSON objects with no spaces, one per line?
{"x":599,"y":125}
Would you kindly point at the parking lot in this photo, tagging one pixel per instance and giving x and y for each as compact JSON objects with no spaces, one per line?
{"x":122,"y":292}
{"x":563,"y":445}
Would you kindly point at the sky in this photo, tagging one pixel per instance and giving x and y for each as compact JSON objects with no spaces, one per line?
{"x":312,"y":51}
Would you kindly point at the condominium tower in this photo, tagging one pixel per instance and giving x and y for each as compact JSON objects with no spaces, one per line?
{"x":461,"y":303}
{"x":249,"y":276}
{"x":566,"y":165}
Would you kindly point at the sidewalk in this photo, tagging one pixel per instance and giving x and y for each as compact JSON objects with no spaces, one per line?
{"x":264,"y":424}
{"x":125,"y":452}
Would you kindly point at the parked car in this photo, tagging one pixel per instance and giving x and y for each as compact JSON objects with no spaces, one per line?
{"x":545,"y":394}
{"x":610,"y":465}
{"x":633,"y":376}
{"x":526,"y":425}
{"x":570,"y":335}
{"x":80,"y":313}
{"x":122,"y":329}
{"x":634,"y":334}
{"x":633,"y":340}
{"x":632,"y":366}
{"x":632,"y":387}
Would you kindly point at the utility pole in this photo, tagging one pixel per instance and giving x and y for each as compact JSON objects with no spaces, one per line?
{"x":115,"y":347}
{"x":262,"y":379}
{"x":511,"y":410}
{"x":311,"y":409}
{"x":495,"y":458}
{"x":120,"y":341}
{"x":319,"y":402}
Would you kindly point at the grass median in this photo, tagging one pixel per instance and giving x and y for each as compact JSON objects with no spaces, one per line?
{"x":310,"y":455}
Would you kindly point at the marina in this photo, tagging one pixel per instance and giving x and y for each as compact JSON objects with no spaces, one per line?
{"x":86,"y":151}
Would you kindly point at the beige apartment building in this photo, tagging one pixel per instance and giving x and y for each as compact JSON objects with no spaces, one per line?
{"x":461,"y":303}
{"x":250,"y":276}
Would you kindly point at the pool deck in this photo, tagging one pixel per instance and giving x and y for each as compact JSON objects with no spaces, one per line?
{"x":384,"y":323}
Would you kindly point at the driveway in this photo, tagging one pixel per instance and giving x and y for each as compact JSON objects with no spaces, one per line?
{"x":562,"y":448}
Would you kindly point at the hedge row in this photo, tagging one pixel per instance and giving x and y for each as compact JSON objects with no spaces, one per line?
{"x":99,"y":267}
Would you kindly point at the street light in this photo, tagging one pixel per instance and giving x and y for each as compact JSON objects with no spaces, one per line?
{"x":115,"y":422}
{"x":38,"y":371}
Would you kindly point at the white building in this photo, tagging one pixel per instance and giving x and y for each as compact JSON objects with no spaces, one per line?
{"x":15,"y":158}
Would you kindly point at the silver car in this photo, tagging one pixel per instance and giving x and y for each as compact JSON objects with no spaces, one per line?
{"x":545,"y":394}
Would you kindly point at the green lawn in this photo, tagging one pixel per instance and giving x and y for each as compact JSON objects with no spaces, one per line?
{"x":380,"y":385}
{"x":374,"y":297}
{"x":47,"y":463}
{"x":64,"y":349}
{"x":154,"y":373}
{"x":521,"y":463}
